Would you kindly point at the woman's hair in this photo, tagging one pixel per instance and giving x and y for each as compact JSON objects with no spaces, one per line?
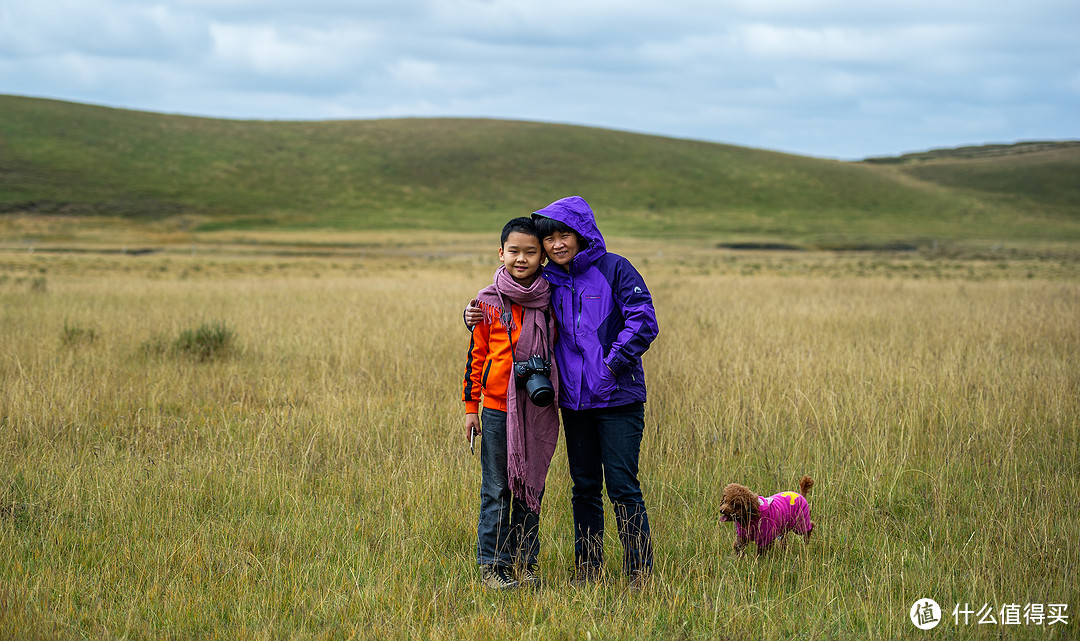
{"x":547,"y":226}
{"x":525,"y":225}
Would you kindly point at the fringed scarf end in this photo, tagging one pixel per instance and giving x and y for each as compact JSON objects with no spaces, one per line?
{"x":519,"y":485}
{"x":491,"y":312}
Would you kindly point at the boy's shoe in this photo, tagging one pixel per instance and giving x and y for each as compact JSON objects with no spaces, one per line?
{"x":638,"y":580}
{"x":585,"y":575}
{"x":497,"y":577}
{"x":527,"y":576}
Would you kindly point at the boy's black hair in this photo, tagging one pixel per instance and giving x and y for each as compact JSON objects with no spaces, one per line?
{"x":547,"y":226}
{"x":524,"y":225}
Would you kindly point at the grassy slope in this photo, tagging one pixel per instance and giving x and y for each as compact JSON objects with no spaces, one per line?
{"x":471,"y":174}
{"x":1048,"y":179}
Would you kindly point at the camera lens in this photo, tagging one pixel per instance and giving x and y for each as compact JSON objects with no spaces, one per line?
{"x":540,"y":390}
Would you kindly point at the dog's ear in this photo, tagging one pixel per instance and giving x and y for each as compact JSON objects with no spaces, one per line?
{"x":754,"y":510}
{"x":742,"y":504}
{"x":747,"y":504}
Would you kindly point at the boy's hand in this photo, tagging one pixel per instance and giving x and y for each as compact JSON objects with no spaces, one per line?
{"x":472,"y":426}
{"x":473,"y":315}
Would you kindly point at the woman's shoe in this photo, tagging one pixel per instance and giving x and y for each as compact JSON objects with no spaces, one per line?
{"x":586,"y":575}
{"x":527,"y":576}
{"x":498,"y":577}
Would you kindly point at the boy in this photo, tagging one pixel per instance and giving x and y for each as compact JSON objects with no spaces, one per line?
{"x":606,"y":322}
{"x":518,"y":436}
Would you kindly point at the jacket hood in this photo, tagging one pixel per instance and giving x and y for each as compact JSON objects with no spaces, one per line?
{"x":575,"y":213}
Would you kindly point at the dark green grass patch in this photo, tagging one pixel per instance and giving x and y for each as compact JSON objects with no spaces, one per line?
{"x":208,"y":342}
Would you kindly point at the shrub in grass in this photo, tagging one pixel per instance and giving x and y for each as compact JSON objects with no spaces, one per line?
{"x":74,"y":335}
{"x":206,"y":342}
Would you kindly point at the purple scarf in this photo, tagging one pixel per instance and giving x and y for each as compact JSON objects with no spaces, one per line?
{"x":531,"y":432}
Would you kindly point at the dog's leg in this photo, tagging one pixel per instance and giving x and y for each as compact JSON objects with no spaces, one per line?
{"x":740,"y":545}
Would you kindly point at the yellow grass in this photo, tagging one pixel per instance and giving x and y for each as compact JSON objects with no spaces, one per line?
{"x":314,"y":482}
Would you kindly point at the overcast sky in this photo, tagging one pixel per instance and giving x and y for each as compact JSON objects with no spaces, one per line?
{"x":827,"y":78}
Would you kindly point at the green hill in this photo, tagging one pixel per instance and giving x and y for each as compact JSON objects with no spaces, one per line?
{"x":472,"y":174}
{"x":1042,"y":175}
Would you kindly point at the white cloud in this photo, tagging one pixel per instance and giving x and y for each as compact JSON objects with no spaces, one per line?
{"x":284,"y":50}
{"x":97,"y":27}
{"x":824,"y":77}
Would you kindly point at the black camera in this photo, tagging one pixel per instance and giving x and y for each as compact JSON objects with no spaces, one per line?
{"x":534,"y":375}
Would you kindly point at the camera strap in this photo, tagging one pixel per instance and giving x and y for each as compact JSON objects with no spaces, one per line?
{"x":507,"y":319}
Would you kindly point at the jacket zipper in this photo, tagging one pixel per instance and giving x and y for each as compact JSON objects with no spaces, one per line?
{"x":577,"y":345}
{"x":577,"y":302}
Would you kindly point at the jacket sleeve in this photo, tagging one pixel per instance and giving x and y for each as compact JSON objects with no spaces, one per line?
{"x":640,"y":327}
{"x":474,"y":368}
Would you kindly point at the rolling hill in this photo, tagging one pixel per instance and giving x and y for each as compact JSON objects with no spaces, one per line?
{"x":70,"y":159}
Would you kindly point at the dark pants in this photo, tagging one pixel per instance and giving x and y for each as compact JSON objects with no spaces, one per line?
{"x":508,"y":530}
{"x":603,"y":446}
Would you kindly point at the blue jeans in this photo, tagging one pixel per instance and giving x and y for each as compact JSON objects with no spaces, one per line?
{"x":603,"y":445}
{"x":508,"y":530}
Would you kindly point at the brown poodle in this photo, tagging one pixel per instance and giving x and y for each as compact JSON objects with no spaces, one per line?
{"x":763,"y":520}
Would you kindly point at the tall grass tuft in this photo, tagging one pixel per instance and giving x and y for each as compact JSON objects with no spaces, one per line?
{"x":207,"y":342}
{"x":75,"y":335}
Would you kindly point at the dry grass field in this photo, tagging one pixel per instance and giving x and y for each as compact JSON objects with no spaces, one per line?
{"x":267,"y":443}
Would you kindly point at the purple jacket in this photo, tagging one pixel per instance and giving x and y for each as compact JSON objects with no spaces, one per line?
{"x":605,"y":318}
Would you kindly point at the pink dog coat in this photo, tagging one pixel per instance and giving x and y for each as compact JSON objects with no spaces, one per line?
{"x":780,"y":513}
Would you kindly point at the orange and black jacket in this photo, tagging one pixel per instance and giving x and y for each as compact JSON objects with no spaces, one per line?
{"x":490,"y":365}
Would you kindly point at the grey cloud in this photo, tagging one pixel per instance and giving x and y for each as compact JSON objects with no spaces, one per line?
{"x":98,"y":27}
{"x":822,"y":77}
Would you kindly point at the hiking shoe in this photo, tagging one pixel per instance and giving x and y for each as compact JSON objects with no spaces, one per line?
{"x":527,"y":576}
{"x":496,"y":577}
{"x":585,"y":575}
{"x":638,"y":580}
